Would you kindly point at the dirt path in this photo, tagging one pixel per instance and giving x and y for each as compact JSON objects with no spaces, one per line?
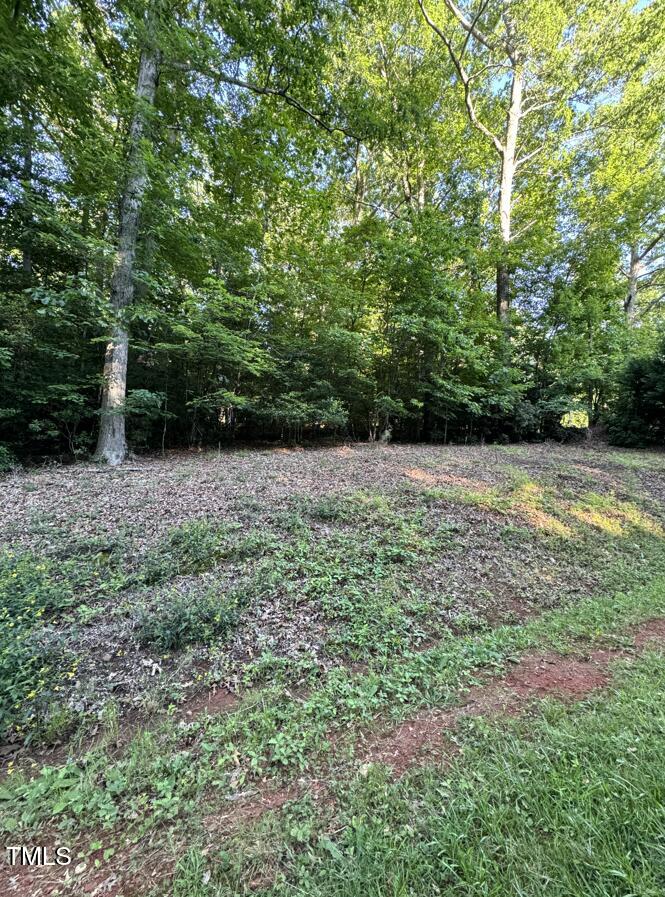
{"x":421,"y":739}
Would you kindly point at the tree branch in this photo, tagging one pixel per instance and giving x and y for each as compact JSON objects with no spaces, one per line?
{"x":520,"y":162}
{"x":651,"y":245}
{"x":651,"y":272}
{"x":653,"y":304}
{"x":487,"y":68}
{"x":464,"y":78}
{"x":280,"y":92}
{"x":523,"y":230}
{"x":471,"y":27}
{"x":536,"y":106}
{"x":291,"y":101}
{"x":469,"y":33}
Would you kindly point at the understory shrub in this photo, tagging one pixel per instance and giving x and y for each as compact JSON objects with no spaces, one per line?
{"x":7,"y":459}
{"x":638,"y":416}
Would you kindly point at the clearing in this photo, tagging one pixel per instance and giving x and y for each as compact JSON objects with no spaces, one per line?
{"x":357,"y":670}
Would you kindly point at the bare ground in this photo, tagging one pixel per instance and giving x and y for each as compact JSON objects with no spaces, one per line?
{"x":491,"y":574}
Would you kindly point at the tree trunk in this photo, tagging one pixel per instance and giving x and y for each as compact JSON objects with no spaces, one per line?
{"x":111,"y":444}
{"x":502,"y":292}
{"x":508,"y":168}
{"x":26,"y":174}
{"x":634,"y":273}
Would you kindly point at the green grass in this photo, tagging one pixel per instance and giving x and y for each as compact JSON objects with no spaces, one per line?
{"x":165,"y":773}
{"x":568,"y":803}
{"x":638,"y":460}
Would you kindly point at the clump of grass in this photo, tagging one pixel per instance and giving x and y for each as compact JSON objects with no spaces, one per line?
{"x":357,"y":507}
{"x":177,"y":620}
{"x":189,"y":549}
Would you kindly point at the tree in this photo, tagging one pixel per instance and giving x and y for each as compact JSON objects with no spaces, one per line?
{"x":291,"y":219}
{"x":520,"y":66}
{"x":112,"y":442}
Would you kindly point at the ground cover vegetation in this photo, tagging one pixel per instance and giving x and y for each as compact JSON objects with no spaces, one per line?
{"x":274,"y":670}
{"x":332,"y":379}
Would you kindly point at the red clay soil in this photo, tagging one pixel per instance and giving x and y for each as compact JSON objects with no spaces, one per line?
{"x":423,"y":738}
{"x":212,"y":702}
{"x":652,"y":631}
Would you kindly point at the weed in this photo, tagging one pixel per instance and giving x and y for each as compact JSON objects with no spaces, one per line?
{"x":191,"y":877}
{"x":33,"y":662}
{"x":176,"y":620}
{"x":189,"y":549}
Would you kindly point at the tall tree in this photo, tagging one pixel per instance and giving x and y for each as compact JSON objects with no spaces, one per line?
{"x":112,"y":442}
{"x":519,"y":65}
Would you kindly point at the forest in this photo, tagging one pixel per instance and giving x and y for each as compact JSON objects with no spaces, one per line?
{"x":332,"y":448}
{"x":292,"y":220}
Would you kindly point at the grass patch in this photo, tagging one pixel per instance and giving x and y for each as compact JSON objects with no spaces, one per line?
{"x":192,"y":548}
{"x":164,"y":774}
{"x":568,"y":804}
{"x":178,"y":620}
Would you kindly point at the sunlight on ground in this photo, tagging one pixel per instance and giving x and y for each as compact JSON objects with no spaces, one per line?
{"x":443,"y":479}
{"x":614,"y":517}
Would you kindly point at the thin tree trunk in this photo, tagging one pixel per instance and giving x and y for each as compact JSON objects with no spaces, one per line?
{"x":634,"y":273}
{"x":359,"y":188}
{"x":112,"y":444}
{"x":508,"y":158}
{"x":26,"y":175}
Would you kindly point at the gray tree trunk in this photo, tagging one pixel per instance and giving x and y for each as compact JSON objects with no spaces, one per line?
{"x":634,"y":273}
{"x":111,"y":443}
{"x":508,"y":167}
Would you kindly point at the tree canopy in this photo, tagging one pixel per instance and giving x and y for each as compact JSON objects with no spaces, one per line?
{"x":263,"y":219}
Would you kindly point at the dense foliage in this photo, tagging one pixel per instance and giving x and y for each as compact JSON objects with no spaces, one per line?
{"x":330,"y":208}
{"x":639,"y":414}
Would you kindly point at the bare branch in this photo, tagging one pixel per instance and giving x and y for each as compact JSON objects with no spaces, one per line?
{"x":523,"y":230}
{"x":290,"y":100}
{"x":488,"y":68}
{"x":280,"y":92}
{"x":477,"y":16}
{"x":536,"y":106}
{"x":464,"y":78}
{"x":656,"y":240}
{"x":520,"y":162}
{"x":652,"y":271}
{"x":376,"y":207}
{"x":471,"y":27}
